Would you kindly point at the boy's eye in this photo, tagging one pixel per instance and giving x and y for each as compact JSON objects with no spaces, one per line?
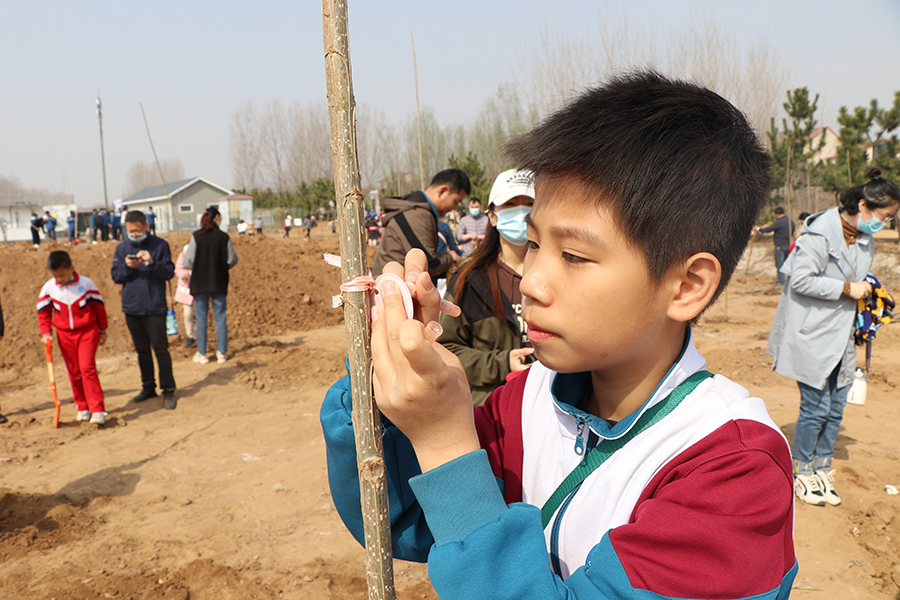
{"x":531,"y":245}
{"x":572,"y":259}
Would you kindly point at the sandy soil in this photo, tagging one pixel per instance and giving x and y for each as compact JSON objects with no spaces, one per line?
{"x":226,"y":497}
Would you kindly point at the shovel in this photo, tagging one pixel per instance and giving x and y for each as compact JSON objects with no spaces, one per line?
{"x":48,"y":346}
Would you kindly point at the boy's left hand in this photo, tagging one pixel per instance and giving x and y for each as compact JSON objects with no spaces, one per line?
{"x":420,"y":385}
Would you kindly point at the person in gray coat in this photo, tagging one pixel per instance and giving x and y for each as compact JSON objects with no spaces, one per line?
{"x":812,"y":334}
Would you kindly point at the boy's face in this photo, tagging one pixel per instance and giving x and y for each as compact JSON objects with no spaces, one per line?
{"x":62,"y":275}
{"x":588,"y":298}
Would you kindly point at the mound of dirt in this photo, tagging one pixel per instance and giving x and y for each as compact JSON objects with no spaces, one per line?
{"x":278,"y":286}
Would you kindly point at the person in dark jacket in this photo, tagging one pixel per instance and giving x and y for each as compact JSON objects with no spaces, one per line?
{"x":782,"y":229}
{"x":209,"y":256}
{"x":37,"y":224}
{"x":104,"y":224}
{"x":490,"y":337}
{"x":116,"y":221}
{"x":411,"y":222}
{"x":142,"y":264}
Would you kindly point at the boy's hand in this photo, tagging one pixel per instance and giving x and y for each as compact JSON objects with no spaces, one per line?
{"x":144,"y":256}
{"x":102,"y":338}
{"x":45,"y":337}
{"x":420,"y":385}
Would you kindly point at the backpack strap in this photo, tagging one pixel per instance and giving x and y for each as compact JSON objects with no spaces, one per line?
{"x":607,"y":448}
{"x":433,"y":261}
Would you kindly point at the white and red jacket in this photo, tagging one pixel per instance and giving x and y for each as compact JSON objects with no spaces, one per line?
{"x":698,"y":505}
{"x":75,"y":305}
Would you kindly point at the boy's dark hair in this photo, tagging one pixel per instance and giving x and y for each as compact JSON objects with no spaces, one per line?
{"x":878,"y":192}
{"x":779,"y":210}
{"x":135,"y":216}
{"x":680,"y":166}
{"x":456,"y":179}
{"x":59,"y":259}
{"x":474,"y":199}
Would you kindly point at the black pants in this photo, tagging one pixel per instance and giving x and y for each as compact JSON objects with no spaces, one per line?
{"x":152,"y":228}
{"x":36,"y":236}
{"x":149,"y":331}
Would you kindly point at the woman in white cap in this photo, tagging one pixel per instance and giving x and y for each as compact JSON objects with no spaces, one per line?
{"x":490,"y":336}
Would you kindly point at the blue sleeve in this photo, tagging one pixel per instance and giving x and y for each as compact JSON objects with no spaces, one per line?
{"x":163,"y":267}
{"x":409,"y":532}
{"x":120,"y":272}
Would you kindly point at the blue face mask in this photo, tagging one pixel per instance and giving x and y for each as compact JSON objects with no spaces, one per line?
{"x":474,"y":211}
{"x":511,"y":224}
{"x":139,"y":239}
{"x":870,"y":227}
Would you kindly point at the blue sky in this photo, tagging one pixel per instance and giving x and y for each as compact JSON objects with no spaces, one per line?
{"x":193,"y":62}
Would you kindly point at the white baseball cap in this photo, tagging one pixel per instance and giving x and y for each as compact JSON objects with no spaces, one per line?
{"x":510,"y":184}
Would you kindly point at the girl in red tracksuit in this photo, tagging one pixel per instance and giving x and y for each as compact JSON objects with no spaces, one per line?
{"x":73,"y":304}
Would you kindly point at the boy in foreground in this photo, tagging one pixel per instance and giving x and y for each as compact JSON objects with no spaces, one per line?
{"x":616,"y":465}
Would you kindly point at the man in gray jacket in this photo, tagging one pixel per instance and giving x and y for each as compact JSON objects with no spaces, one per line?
{"x":411,"y":222}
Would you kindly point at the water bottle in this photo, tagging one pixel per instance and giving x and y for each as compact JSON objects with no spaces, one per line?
{"x":171,"y":323}
{"x":857,"y":393}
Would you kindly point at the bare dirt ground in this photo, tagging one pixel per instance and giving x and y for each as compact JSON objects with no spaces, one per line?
{"x":226,"y":497}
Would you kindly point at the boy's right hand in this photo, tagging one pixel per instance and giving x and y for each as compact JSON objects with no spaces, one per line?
{"x":420,"y":385}
{"x":45,"y":337}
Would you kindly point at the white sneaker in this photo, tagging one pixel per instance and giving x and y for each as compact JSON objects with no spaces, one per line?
{"x":83,"y":415}
{"x":221,"y":358}
{"x":809,"y":489}
{"x":98,"y":418}
{"x":826,"y":477}
{"x":201,"y":359}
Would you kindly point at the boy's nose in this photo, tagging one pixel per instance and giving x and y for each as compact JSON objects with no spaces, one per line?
{"x":534,"y":285}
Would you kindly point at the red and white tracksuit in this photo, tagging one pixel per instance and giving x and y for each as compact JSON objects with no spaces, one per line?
{"x":76,"y":310}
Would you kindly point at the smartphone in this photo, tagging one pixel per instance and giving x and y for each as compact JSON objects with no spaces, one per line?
{"x":134,"y":256}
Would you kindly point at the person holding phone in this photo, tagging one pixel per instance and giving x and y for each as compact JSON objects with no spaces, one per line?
{"x":143,"y":264}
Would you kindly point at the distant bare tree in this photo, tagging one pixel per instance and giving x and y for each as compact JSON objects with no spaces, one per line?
{"x":376,"y":141}
{"x":144,"y":174}
{"x":750,"y":75}
{"x":308,"y":143}
{"x":246,"y":151}
{"x":502,"y":116}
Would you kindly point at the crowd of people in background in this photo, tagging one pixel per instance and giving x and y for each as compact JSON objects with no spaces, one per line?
{"x":821,"y":266}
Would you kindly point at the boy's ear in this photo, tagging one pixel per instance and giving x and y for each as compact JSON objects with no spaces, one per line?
{"x":693,"y":284}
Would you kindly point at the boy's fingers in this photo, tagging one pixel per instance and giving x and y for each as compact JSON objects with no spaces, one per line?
{"x":394,"y":314}
{"x":415,"y":263}
{"x":429,"y":299}
{"x":421,"y":355}
{"x":382,"y":360}
{"x":394,"y":268}
{"x":432,"y":331}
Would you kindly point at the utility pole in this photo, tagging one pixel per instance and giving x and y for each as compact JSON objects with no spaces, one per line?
{"x":102,"y":154}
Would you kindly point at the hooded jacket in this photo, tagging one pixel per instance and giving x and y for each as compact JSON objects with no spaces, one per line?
{"x":813,"y":326}
{"x":415,"y":211}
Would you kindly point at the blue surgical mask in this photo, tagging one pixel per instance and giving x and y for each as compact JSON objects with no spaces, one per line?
{"x":474,"y":211}
{"x":139,"y":239}
{"x":511,"y":224}
{"x":870,"y":227}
